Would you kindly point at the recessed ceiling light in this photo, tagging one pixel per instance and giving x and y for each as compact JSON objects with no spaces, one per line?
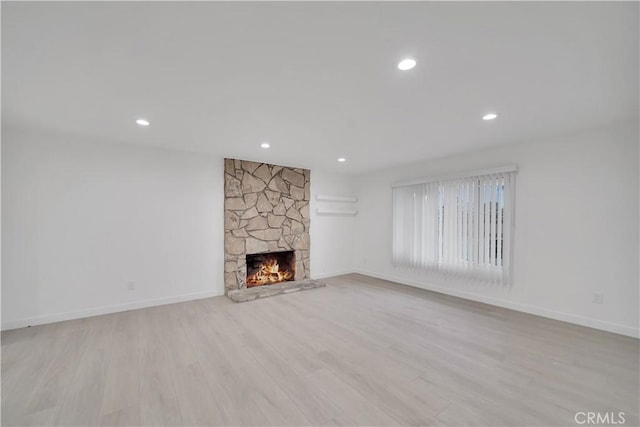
{"x":406,"y":64}
{"x":265,"y":145}
{"x":489,"y":116}
{"x":142,"y":122}
{"x":342,"y":159}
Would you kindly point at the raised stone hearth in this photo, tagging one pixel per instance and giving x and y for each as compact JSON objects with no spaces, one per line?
{"x":266,"y":209}
{"x":249,"y":294}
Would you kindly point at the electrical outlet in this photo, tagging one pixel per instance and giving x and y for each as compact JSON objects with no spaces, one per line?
{"x":598,"y":298}
{"x":131,"y":286}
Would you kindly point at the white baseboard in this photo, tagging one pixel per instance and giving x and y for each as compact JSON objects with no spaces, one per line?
{"x":539,"y":311}
{"x":333,"y":274}
{"x":97,"y":311}
{"x":530,"y":309}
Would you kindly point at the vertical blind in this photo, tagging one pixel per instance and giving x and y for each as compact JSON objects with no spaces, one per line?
{"x":459,"y":228}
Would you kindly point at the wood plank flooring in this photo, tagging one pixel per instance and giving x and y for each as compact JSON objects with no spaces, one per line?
{"x":361,"y":351}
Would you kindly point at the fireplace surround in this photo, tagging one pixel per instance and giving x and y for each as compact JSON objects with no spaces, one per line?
{"x":266,"y":209}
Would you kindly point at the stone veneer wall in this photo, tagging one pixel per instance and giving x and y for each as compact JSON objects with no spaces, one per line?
{"x":266,"y":209}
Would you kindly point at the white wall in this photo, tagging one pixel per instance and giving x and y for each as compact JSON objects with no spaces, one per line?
{"x":332,"y":236}
{"x":576,"y":227}
{"x":80,"y":220}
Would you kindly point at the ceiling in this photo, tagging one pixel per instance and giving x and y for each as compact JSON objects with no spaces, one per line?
{"x":319,"y":80}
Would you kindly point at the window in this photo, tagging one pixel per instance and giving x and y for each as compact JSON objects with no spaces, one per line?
{"x":459,"y":227}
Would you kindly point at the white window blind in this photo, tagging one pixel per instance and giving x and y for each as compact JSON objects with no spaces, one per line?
{"x":458,"y":227}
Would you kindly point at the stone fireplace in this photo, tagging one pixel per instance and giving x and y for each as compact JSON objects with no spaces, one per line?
{"x":266,"y":211}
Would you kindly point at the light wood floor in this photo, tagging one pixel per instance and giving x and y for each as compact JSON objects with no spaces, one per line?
{"x":359,"y":352}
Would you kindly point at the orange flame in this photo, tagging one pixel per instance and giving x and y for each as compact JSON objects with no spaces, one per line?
{"x":268,"y":272}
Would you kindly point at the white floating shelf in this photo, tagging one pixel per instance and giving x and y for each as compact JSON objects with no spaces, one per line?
{"x":325,"y":198}
{"x":336,"y":212}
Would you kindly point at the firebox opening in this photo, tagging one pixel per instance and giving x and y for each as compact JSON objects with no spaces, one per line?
{"x":269,"y":268}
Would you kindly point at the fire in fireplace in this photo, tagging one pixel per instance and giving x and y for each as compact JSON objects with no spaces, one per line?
{"x":269,"y":268}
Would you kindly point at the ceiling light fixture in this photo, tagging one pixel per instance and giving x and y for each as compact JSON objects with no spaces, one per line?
{"x":265,"y":145}
{"x":406,"y":64}
{"x":342,"y":159}
{"x":489,"y":116}
{"x":142,"y":122}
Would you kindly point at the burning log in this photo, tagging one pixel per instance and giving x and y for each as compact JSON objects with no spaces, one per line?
{"x":269,"y":272}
